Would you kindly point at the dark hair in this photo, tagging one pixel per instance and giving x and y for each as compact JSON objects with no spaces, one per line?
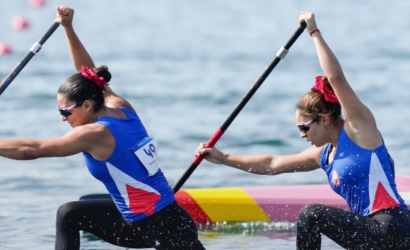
{"x":78,"y":89}
{"x":313,"y":104}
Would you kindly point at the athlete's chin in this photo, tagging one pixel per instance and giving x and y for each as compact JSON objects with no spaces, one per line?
{"x":316,"y":144}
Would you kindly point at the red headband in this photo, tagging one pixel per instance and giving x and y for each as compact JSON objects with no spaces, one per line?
{"x":91,"y":75}
{"x":323,"y":87}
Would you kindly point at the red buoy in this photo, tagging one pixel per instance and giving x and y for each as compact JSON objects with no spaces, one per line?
{"x":4,"y":49}
{"x":37,"y":3}
{"x":19,"y":23}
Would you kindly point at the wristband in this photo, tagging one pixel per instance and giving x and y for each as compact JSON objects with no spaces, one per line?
{"x":314,"y":31}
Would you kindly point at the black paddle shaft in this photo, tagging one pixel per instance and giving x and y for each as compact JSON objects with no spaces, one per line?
{"x":221,"y":130}
{"x":33,"y":51}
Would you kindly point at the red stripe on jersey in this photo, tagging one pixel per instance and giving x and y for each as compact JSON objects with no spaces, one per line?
{"x":141,"y":201}
{"x":382,"y":199}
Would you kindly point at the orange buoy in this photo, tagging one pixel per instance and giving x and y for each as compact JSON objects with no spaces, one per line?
{"x":37,"y":3}
{"x":19,"y":23}
{"x":4,"y":49}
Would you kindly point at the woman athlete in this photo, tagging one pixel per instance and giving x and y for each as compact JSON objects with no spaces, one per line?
{"x":119,"y":152}
{"x":352,"y":153}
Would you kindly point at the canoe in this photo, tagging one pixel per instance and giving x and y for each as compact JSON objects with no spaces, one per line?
{"x":266,"y":204}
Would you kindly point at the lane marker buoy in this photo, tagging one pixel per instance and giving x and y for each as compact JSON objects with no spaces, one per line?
{"x":19,"y":23}
{"x":37,"y":3}
{"x":4,"y":49}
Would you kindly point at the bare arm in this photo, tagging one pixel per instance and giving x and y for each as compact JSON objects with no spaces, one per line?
{"x":265,"y":164}
{"x":360,"y":123}
{"x":95,"y":139}
{"x":80,"y":56}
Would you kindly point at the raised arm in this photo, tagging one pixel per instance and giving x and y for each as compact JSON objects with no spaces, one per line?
{"x":360,"y":123}
{"x":265,"y":164}
{"x":80,"y":56}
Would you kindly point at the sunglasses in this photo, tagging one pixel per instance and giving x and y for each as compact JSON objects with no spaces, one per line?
{"x":304,"y":127}
{"x":67,"y":111}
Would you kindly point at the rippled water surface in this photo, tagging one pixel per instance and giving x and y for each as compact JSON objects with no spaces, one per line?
{"x":184,"y":65}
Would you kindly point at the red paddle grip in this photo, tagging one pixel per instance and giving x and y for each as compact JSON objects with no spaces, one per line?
{"x":212,"y":141}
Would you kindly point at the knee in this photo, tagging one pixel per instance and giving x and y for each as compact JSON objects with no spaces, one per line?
{"x":65,"y":210}
{"x":310,"y":212}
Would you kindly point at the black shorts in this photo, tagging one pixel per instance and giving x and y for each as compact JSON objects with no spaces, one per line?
{"x":384,"y":230}
{"x":171,"y":227}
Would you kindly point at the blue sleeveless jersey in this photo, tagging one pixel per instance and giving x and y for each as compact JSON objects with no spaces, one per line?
{"x":137,"y":186}
{"x":363,"y":177}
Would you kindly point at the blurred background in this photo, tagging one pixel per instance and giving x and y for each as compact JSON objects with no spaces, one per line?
{"x":184,"y":65}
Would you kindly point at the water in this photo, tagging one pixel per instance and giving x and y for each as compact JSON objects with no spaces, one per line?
{"x":184,"y":65}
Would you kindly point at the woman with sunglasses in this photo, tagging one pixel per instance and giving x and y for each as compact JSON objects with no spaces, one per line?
{"x":352,"y":153}
{"x":119,"y":152}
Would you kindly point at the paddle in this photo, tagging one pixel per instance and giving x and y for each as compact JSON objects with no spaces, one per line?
{"x":221,"y":130}
{"x":33,"y":51}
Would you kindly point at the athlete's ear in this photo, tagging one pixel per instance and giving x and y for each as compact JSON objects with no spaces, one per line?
{"x":325,"y":119}
{"x":88,"y":106}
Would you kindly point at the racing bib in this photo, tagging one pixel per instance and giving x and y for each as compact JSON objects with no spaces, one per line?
{"x":147,"y":152}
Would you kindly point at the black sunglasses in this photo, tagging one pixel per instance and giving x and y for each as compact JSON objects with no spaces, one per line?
{"x":304,"y":127}
{"x":67,"y":111}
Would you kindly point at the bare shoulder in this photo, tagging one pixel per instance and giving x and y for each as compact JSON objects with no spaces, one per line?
{"x":93,"y":131}
{"x":96,"y":139}
{"x":112,"y":100}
